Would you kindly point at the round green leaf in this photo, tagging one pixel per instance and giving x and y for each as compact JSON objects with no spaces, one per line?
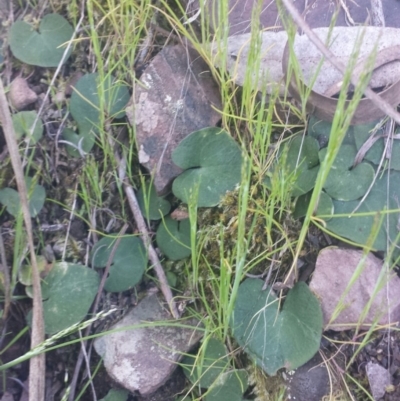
{"x":85,"y":108}
{"x":128,"y":265}
{"x":321,"y":131}
{"x":10,"y":199}
{"x":79,"y":144}
{"x":44,"y":48}
{"x":213,"y":163}
{"x":325,"y":205}
{"x":173,"y":238}
{"x":273,"y":338}
{"x":344,"y":159}
{"x":358,"y":228}
{"x":153,"y":207}
{"x":302,"y":161}
{"x":23,"y":122}
{"x":85,"y":101}
{"x":205,"y":369}
{"x":347,"y":185}
{"x":229,"y":386}
{"x":68,"y":292}
{"x":377,"y":150}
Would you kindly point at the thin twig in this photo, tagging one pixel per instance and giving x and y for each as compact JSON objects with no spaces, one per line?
{"x":37,"y":363}
{"x":141,"y":224}
{"x":152,"y":254}
{"x":6,"y":275}
{"x":377,"y":15}
{"x":369,"y":93}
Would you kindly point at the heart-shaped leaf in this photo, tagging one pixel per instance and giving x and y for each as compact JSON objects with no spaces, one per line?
{"x":344,"y":184}
{"x":325,"y":205}
{"x":152,"y":206}
{"x":377,"y":150}
{"x":10,"y":198}
{"x":68,"y":293}
{"x":302,"y":161}
{"x":298,"y":160}
{"x":78,"y":145}
{"x":358,"y":228}
{"x":204,"y":370}
{"x":349,"y":185}
{"x":128,"y":264}
{"x":85,"y":108}
{"x":321,"y":131}
{"x":23,"y":123}
{"x":44,"y":48}
{"x":229,"y":386}
{"x":273,"y":338}
{"x":213,"y":163}
{"x":173,"y":238}
{"x":344,"y":158}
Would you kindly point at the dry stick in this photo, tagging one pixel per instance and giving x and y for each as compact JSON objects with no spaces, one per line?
{"x":37,"y":363}
{"x":369,"y":93}
{"x":81,"y":355}
{"x":141,"y":224}
{"x":152,"y":254}
{"x":6,"y":275}
{"x":378,"y":17}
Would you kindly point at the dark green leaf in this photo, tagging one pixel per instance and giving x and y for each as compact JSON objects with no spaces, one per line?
{"x":44,"y":48}
{"x":205,"y":370}
{"x":68,"y":292}
{"x":173,"y":238}
{"x":213,"y":163}
{"x":128,"y":264}
{"x":273,"y":338}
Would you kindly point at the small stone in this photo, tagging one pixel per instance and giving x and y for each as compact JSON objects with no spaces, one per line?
{"x":333,"y":272}
{"x":143,"y":359}
{"x":21,"y":95}
{"x":378,"y":378}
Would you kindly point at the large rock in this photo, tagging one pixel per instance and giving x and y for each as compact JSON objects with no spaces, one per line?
{"x":177,"y":96}
{"x":317,"y":13}
{"x":334,"y":271}
{"x":142,"y":359}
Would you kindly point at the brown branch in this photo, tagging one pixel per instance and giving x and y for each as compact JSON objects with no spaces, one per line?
{"x":152,"y":254}
{"x":369,"y":93}
{"x":37,"y":363}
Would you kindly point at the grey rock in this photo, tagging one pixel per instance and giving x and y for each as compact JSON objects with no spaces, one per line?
{"x":317,"y":14}
{"x":333,"y":273}
{"x":21,"y":95}
{"x":142,"y":359}
{"x":379,"y":379}
{"x":177,"y":96}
